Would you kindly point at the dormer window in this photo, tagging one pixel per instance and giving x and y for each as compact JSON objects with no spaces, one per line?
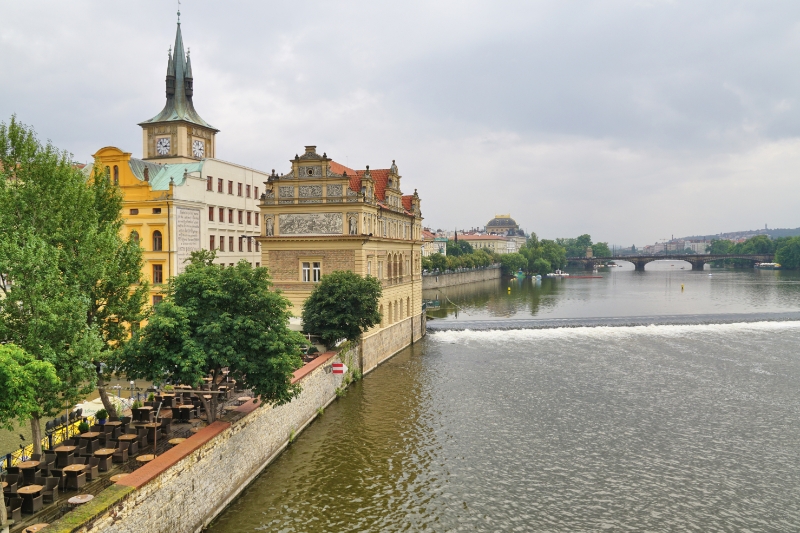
{"x":146,"y":174}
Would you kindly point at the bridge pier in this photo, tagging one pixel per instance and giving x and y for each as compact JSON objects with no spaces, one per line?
{"x":588,"y":265}
{"x":697,"y":265}
{"x":639,"y":264}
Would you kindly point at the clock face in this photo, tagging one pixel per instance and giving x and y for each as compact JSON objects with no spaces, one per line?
{"x":198,"y":148}
{"x":162,"y":146}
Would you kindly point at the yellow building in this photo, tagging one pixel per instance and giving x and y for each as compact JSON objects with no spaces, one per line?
{"x":490,"y":243}
{"x":179,"y":198}
{"x":322,"y":216}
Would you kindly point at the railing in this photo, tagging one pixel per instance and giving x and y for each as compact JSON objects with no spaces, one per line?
{"x":48,"y":442}
{"x":458,"y":270}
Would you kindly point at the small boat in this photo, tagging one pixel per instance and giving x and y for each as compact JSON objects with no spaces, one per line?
{"x":557,"y":274}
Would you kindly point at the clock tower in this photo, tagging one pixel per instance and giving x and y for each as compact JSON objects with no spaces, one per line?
{"x":178,"y":134}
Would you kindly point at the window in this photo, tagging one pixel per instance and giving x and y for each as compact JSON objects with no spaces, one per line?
{"x":116,"y":175}
{"x":134,"y":236}
{"x":249,"y":218}
{"x":231,"y":264}
{"x":158,"y":273}
{"x":156,"y":210}
{"x":380,"y":269}
{"x":241,"y":245}
{"x":258,"y":264}
{"x":258,"y":247}
{"x":134,"y":211}
{"x":156,"y":241}
{"x":306,"y":271}
{"x":220,"y":181}
{"x":212,"y":243}
{"x":239,"y":189}
{"x":147,"y":178}
{"x":255,"y":215}
{"x":247,"y":191}
{"x":249,"y":245}
{"x":211,"y":214}
{"x":230,"y":216}
{"x":230,"y":243}
{"x":369,"y":268}
{"x":209,"y":183}
{"x":157,"y":298}
{"x":316,"y":271}
{"x":222,"y":214}
{"x":255,"y":192}
{"x":230,"y":187}
{"x":221,"y":243}
{"x":240,"y":216}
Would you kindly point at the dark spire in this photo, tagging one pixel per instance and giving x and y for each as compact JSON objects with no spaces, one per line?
{"x":180,"y":87}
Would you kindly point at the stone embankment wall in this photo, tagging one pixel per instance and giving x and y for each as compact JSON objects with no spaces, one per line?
{"x":185,"y":488}
{"x":433,"y":281}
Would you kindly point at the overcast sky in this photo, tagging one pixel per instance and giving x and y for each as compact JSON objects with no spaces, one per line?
{"x":628,"y":120}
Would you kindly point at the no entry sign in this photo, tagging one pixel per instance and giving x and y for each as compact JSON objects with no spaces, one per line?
{"x":339,"y":368}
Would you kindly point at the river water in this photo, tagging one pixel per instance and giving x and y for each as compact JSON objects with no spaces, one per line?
{"x":655,"y":409}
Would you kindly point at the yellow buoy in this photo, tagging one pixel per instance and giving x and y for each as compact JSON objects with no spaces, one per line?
{"x":681,"y":287}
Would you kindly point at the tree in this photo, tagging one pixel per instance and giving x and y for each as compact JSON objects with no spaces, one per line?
{"x":455,"y":249}
{"x":601,"y":249}
{"x":438,"y":261}
{"x":214,"y":318}
{"x":788,"y":255}
{"x":576,"y":247}
{"x":541,"y":266}
{"x":342,"y":306}
{"x":23,"y":379}
{"x":513,"y":262}
{"x":49,"y":237}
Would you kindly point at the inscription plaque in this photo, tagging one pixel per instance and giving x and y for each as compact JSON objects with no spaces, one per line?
{"x":187,"y":223}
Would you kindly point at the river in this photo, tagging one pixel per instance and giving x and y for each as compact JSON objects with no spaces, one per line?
{"x":683,"y":416}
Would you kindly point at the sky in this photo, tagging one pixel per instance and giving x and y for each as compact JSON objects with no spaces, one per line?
{"x":629,"y":120}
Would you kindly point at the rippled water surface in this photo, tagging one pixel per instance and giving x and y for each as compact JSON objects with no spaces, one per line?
{"x":646,"y":428}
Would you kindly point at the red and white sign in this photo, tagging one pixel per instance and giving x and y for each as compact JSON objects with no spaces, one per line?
{"x":339,"y":368}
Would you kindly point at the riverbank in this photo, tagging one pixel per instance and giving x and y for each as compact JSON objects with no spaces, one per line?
{"x":449,"y":279}
{"x":186,"y":487}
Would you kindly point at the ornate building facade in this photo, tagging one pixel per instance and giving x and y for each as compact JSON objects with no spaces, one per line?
{"x":322,"y":216}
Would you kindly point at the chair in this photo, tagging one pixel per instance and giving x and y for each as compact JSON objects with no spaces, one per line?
{"x":92,"y":469}
{"x":50,"y":490}
{"x":113,"y":419}
{"x":121,"y":455}
{"x":80,"y":461}
{"x":97,"y":428}
{"x":32,"y":505}
{"x":13,"y":470}
{"x":76,"y":482}
{"x":133,"y":448}
{"x":36,"y":457}
{"x":14,"y":509}
{"x":142,"y":437}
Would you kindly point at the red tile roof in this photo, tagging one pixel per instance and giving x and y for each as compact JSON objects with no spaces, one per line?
{"x":427,"y":235}
{"x":381,"y":178}
{"x":407,"y":201}
{"x":355,"y":179}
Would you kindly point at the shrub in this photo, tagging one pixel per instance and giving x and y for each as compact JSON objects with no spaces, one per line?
{"x":102,"y":414}
{"x":83,"y":427}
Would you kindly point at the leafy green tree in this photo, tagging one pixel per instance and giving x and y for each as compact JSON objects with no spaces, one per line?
{"x":512,"y":263}
{"x":720,"y":247}
{"x":342,"y":306}
{"x":213,"y":318}
{"x":541,"y":266}
{"x":455,"y":249}
{"x":601,"y":249}
{"x":50,"y":236}
{"x":438,"y":261}
{"x":788,"y":255}
{"x":576,"y":247}
{"x":23,"y":379}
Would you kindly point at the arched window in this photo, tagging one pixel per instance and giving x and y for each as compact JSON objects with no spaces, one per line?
{"x":146,"y":174}
{"x":408,"y":306}
{"x":383,"y":317}
{"x":134,"y":236}
{"x":116,"y":175}
{"x":156,"y":241}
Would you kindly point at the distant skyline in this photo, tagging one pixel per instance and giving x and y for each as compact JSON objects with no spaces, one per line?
{"x":629,"y":120}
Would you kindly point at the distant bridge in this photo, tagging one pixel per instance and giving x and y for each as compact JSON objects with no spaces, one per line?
{"x":697,"y":261}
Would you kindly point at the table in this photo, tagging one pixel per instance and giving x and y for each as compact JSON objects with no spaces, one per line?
{"x":90,"y":435}
{"x":81,"y":498}
{"x":103,"y":454}
{"x":29,"y":495}
{"x":34,"y":528}
{"x":184,"y":412}
{"x":145,"y":458}
{"x":128,"y":437}
{"x":114,"y":423}
{"x":63,"y":453}
{"x":28,"y":469}
{"x":176,"y":441}
{"x":72,"y":472}
{"x":152,"y":428}
{"x":116,"y":478}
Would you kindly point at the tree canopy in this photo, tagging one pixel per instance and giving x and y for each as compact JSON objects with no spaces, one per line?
{"x":56,"y":237}
{"x":214,"y":318}
{"x":544,"y":255}
{"x":342,"y":306}
{"x":576,"y":247}
{"x":788,"y":254}
{"x":455,"y":249}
